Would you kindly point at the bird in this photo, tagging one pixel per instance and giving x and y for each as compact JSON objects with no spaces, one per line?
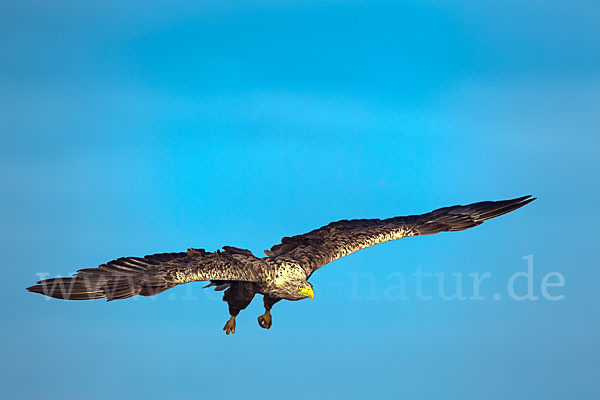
{"x":281,"y":275}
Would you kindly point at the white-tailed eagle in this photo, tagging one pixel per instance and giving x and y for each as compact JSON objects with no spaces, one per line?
{"x":281,"y":275}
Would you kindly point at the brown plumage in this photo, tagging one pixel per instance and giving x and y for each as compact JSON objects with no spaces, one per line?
{"x":281,"y":275}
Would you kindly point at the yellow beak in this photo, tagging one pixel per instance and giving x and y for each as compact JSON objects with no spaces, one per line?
{"x":308,"y":292}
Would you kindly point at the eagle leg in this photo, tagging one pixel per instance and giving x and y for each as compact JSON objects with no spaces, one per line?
{"x":238,"y":297}
{"x":266,"y":320}
{"x":230,"y":325}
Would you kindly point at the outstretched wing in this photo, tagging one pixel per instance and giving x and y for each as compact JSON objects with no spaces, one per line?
{"x":338,"y":239}
{"x":150,"y":275}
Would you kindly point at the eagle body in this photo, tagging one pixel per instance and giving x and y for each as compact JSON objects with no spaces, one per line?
{"x":282,"y":275}
{"x":271,"y":276}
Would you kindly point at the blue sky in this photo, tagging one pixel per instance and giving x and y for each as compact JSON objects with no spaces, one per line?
{"x":132,"y":129}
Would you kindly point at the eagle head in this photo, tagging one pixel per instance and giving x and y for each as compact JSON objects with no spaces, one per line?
{"x":305,"y":289}
{"x":298,"y":289}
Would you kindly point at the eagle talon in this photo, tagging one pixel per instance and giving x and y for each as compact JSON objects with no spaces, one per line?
{"x":265,"y":320}
{"x":230,"y":326}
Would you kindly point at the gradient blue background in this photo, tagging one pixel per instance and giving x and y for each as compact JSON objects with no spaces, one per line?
{"x":134,"y":128}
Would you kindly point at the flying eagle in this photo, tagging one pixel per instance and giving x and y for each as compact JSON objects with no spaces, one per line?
{"x":281,"y":275}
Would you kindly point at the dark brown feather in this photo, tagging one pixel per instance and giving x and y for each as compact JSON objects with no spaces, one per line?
{"x":328,"y":243}
{"x":129,"y":276}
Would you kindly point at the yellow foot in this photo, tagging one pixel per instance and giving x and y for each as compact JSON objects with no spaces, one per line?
{"x":265,"y":320}
{"x":230,"y":326}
